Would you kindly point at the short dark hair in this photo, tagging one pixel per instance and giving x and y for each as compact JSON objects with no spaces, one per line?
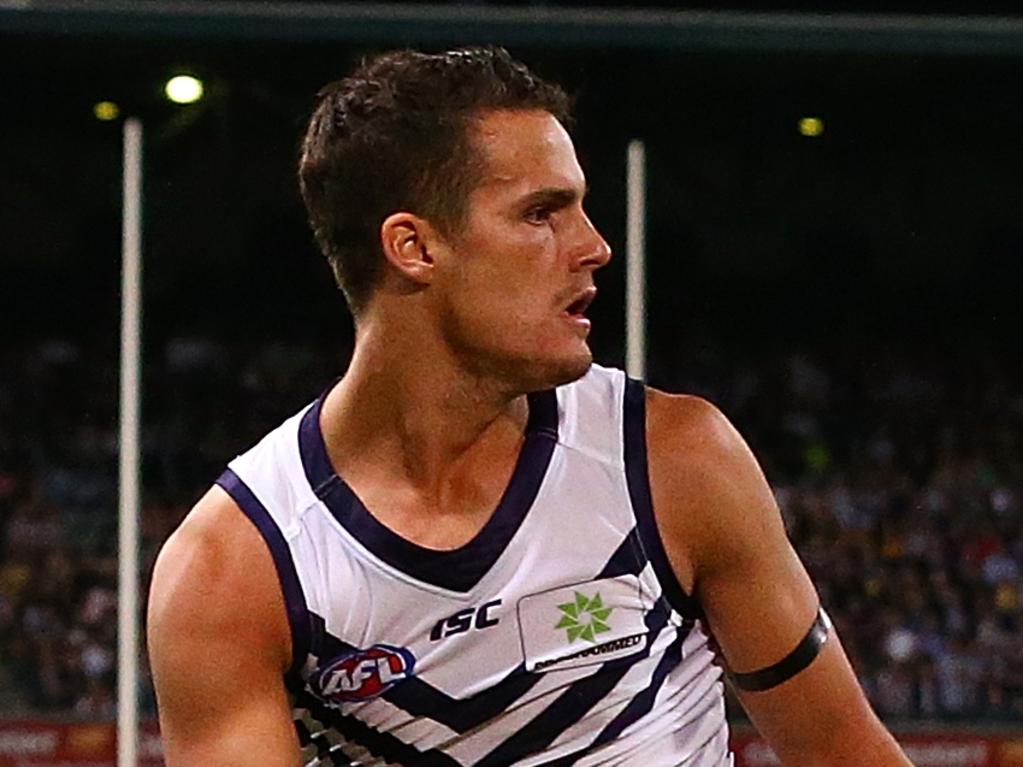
{"x":395,"y":136}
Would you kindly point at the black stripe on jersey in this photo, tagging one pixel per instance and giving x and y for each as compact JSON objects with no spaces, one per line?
{"x":638,"y":477}
{"x":326,"y":753}
{"x":338,"y":758}
{"x":294,"y":598}
{"x":571,"y":705}
{"x":380,"y":744}
{"x":302,"y":731}
{"x":628,"y":559}
{"x":420,"y":698}
{"x":641,"y":704}
{"x":460,"y":569}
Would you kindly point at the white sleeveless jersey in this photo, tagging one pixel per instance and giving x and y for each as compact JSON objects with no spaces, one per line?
{"x":558,"y":635}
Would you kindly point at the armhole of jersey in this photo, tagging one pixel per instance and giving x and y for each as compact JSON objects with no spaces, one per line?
{"x":638,"y":477}
{"x":294,"y":599}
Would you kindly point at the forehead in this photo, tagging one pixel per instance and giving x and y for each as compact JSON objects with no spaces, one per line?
{"x":523,"y":150}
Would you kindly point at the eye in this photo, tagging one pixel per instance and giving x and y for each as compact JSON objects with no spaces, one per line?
{"x":538,"y":215}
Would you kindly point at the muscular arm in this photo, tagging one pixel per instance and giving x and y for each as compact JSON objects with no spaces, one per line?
{"x":726,"y":541}
{"x":219,"y":643}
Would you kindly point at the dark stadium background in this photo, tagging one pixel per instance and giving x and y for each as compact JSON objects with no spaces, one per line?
{"x":852,"y":301}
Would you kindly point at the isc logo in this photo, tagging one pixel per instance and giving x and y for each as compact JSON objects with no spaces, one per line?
{"x":463,"y":620}
{"x":363,"y":674}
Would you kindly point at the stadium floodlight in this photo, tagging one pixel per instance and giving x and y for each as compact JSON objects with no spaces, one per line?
{"x":184,"y":89}
{"x":811,"y":127}
{"x":106,"y":111}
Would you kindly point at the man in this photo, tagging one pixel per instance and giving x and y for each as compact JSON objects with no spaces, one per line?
{"x":478,"y":548}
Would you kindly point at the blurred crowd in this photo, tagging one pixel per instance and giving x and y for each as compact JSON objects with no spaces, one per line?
{"x":900,"y":478}
{"x":202,"y":404}
{"x":899,"y":473}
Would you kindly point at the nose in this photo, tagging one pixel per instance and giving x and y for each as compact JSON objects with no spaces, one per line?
{"x":593,"y":250}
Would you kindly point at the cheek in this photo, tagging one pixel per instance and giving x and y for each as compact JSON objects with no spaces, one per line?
{"x":502,"y":316}
{"x":519,"y":273}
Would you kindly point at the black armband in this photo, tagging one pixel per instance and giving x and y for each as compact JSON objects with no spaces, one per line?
{"x":791,"y":664}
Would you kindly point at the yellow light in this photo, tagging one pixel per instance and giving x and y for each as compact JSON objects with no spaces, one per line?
{"x":106,"y":111}
{"x":811,"y":127}
{"x":183,"y":89}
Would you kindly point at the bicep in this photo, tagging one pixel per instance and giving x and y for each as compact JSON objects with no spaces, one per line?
{"x":722,"y":528}
{"x":217,"y":711}
{"x":760,"y":606}
{"x":757,"y":595}
{"x":215,"y":649}
{"x":724,"y":535}
{"x":820,"y":717}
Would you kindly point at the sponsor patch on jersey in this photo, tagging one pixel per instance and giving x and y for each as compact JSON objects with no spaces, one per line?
{"x":362,"y":674}
{"x":583,"y":624}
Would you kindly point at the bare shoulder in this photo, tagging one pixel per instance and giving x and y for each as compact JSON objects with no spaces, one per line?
{"x":711,"y":499}
{"x":217,"y":621}
{"x":675,"y":421}
{"x":724,"y":536}
{"x":215,"y":575}
{"x":696,"y":451}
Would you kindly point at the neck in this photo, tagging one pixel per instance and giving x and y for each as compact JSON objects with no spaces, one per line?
{"x":406,"y":409}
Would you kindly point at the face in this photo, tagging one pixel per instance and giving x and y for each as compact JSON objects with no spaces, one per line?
{"x":517,"y":279}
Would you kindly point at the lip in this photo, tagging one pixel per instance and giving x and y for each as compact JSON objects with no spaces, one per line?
{"x":575,"y":312}
{"x":581,"y":301}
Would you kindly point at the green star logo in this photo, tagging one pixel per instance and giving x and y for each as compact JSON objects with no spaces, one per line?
{"x":585,"y":617}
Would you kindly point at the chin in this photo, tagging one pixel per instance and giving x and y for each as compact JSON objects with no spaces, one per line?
{"x":575,"y":369}
{"x":531,"y":367}
{"x":551,"y":372}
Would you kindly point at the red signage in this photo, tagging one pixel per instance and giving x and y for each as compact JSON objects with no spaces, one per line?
{"x":924,"y":750}
{"x":47,"y":744}
{"x":38,"y":743}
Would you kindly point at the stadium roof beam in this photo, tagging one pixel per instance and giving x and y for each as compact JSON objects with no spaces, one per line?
{"x":394,"y":23}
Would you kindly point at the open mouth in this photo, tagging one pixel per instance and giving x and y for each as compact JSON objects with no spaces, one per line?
{"x":581,"y":303}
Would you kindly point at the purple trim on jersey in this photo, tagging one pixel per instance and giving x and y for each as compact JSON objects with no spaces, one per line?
{"x":628,"y":558}
{"x":383,"y":745}
{"x":638,"y":478}
{"x":641,"y":705}
{"x":294,"y":599}
{"x":459,"y":569}
{"x":575,"y":701}
{"x":420,"y":699}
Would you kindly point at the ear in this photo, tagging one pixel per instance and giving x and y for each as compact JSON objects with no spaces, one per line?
{"x":409,"y":242}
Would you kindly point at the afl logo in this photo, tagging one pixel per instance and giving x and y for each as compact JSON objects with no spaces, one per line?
{"x":363,"y":674}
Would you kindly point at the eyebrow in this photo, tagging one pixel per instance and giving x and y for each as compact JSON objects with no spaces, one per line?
{"x":555,"y":197}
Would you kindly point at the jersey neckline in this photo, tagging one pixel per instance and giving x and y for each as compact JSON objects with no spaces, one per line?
{"x":458,"y":569}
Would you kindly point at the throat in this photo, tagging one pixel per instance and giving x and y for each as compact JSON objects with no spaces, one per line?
{"x":429,"y":501}
{"x":431,"y":466}
{"x":450,"y":516}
